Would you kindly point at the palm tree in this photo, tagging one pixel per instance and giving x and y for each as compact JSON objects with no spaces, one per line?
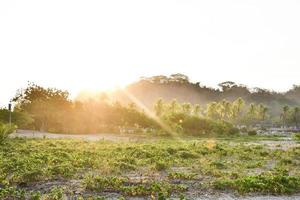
{"x":262,"y":112}
{"x":240,"y":103}
{"x":237,"y":107}
{"x":284,"y":115}
{"x":197,"y":109}
{"x":158,"y":107}
{"x":296,"y":116}
{"x":173,"y":106}
{"x":252,"y":112}
{"x":186,"y":108}
{"x":224,"y":109}
{"x":212,"y":110}
{"x":228,"y":110}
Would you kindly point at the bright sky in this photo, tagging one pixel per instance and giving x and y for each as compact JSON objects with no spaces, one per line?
{"x":98,"y":44}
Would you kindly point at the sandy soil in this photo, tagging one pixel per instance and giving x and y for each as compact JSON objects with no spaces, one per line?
{"x":193,"y":194}
{"x":90,"y":137}
{"x":285,"y":144}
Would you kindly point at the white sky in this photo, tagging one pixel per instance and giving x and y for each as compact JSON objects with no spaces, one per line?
{"x":98,"y":44}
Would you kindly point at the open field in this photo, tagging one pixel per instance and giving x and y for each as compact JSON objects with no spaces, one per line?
{"x":224,"y":168}
{"x":149,"y":100}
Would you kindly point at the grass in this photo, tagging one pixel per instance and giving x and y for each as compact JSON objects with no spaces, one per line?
{"x":120,"y":184}
{"x":266,"y":183}
{"x":5,"y":131}
{"x":296,"y":137}
{"x":149,"y":168}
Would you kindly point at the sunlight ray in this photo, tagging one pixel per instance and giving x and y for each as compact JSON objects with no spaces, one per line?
{"x":150,"y":113}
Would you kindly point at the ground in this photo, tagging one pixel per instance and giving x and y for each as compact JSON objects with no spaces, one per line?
{"x":106,"y":166}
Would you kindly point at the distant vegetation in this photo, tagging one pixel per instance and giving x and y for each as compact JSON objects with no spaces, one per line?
{"x":159,"y":104}
{"x":178,"y":86}
{"x":50,"y":109}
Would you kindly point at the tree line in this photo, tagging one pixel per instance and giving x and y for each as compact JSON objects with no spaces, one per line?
{"x":236,"y":112}
{"x":52,"y":110}
{"x":180,"y":87}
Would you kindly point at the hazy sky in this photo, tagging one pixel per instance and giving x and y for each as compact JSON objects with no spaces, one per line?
{"x":98,"y":44}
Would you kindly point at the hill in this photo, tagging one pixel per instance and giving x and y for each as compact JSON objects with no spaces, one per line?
{"x":148,"y":89}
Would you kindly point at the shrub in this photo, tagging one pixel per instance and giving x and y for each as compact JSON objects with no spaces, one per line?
{"x":296,"y":136}
{"x":160,"y":165}
{"x":21,"y":119}
{"x":5,"y":130}
{"x":99,"y":183}
{"x":244,"y":130}
{"x":252,"y":133}
{"x":186,"y":155}
{"x":266,"y":183}
{"x":223,"y":128}
{"x":11,"y":193}
{"x":56,"y":193}
{"x":201,"y":126}
{"x":181,"y":175}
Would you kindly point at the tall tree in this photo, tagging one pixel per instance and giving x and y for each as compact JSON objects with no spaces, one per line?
{"x":159,"y":107}
{"x":285,"y":115}
{"x":186,"y":108}
{"x":252,"y":113}
{"x":197,"y":110}
{"x":225,"y":109}
{"x":212,"y":110}
{"x":262,"y":112}
{"x":296,"y":116}
{"x":237,"y":107}
{"x":47,"y":106}
{"x":173,"y":107}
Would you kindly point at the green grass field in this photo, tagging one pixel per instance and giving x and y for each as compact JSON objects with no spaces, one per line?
{"x":159,"y":169}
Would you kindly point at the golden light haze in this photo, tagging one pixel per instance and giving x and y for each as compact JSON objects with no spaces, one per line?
{"x":94,"y":45}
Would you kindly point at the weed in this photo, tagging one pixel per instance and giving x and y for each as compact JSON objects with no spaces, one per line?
{"x":227,"y":163}
{"x":160,"y":165}
{"x":181,"y":175}
{"x":266,"y":183}
{"x":5,"y":131}
{"x":56,"y":193}
{"x":296,"y":136}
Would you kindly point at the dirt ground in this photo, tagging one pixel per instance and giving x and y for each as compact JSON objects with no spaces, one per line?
{"x":75,"y":185}
{"x":90,"y":137}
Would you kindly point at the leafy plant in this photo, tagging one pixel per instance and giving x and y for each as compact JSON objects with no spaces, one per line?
{"x":5,"y":131}
{"x":267,"y":183}
{"x":182,"y":175}
{"x":12,"y":193}
{"x":56,"y":193}
{"x":252,"y":133}
{"x":296,"y":136}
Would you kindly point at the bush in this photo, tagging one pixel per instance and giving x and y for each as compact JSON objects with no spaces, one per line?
{"x":5,"y":130}
{"x":21,"y":119}
{"x":252,"y":133}
{"x":160,"y":165}
{"x":201,"y":126}
{"x":296,"y":136}
{"x":266,"y":183}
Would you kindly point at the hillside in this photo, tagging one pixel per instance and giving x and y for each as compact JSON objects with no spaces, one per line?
{"x":178,"y":86}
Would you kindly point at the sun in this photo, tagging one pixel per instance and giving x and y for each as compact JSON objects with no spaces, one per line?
{"x":92,"y":85}
{"x":96,"y":80}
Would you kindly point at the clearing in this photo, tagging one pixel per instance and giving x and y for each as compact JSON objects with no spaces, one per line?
{"x":111,"y":166}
